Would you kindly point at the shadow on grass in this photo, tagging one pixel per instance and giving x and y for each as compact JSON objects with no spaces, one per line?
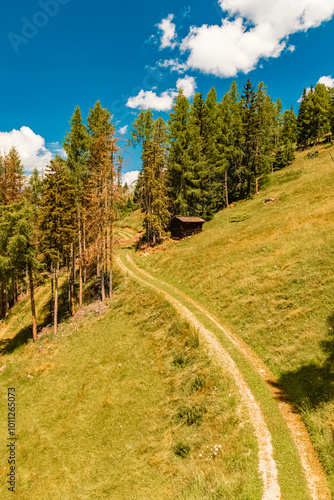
{"x":9,"y":345}
{"x":313,"y":384}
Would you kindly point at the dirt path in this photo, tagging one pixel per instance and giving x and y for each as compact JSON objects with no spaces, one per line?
{"x":315,"y":477}
{"x":267,"y":465}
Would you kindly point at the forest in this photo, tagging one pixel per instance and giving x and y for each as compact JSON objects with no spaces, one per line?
{"x":208,"y":154}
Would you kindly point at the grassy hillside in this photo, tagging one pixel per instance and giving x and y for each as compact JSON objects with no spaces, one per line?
{"x":124,"y":403}
{"x":266,"y":270}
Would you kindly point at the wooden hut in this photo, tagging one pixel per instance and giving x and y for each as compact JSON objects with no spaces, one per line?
{"x":181,"y":227}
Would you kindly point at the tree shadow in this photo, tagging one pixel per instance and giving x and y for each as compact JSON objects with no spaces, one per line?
{"x":313,"y":384}
{"x":9,"y":345}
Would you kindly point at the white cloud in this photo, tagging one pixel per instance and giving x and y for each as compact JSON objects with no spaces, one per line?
{"x":173,"y":65}
{"x":327,"y":80}
{"x":255,"y":29}
{"x":130,"y":177}
{"x":30,"y":146}
{"x":164,"y":101}
{"x":150,"y":100}
{"x":123,"y":130}
{"x":168,"y":33}
{"x":188,"y":84}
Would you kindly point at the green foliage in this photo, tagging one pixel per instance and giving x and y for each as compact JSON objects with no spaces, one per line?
{"x":314,"y":116}
{"x":192,"y":415}
{"x":180,"y":360}
{"x":57,"y":212}
{"x":198,"y":383}
{"x":151,"y":190}
{"x":181,"y":450}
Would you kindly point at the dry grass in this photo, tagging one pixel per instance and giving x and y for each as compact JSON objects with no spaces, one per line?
{"x":266,"y":270}
{"x":102,"y":413}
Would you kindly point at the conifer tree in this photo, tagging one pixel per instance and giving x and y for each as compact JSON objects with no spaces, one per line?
{"x":11,"y":177}
{"x":56,"y":221}
{"x":153,"y":192}
{"x":231,"y":140}
{"x":103,"y":190}
{"x":247,"y":172}
{"x":178,"y":160}
{"x":34,"y":189}
{"x":320,"y":124}
{"x":76,"y":145}
{"x":304,"y":119}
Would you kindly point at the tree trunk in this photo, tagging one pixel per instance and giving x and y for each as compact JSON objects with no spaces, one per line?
{"x":103,"y":293}
{"x":98,"y":257}
{"x":111,"y":242}
{"x":1,"y":302}
{"x":32,"y":302}
{"x":80,"y":260}
{"x":69,"y":303}
{"x":226,"y":190}
{"x":52,"y":292}
{"x":84,"y":251}
{"x":257,"y":185}
{"x":73,"y":279}
{"x":55,"y":319}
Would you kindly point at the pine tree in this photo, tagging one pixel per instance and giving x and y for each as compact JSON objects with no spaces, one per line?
{"x":56,"y":221}
{"x":247,"y":172}
{"x":304,"y":119}
{"x":103,"y":191}
{"x":320,"y":124}
{"x":34,"y":189}
{"x":142,"y":128}
{"x":76,"y":145}
{"x":11,"y":177}
{"x":178,"y":161}
{"x":231,"y":140}
{"x":153,"y":192}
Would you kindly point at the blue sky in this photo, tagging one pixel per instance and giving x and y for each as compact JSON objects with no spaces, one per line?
{"x":56,"y":54}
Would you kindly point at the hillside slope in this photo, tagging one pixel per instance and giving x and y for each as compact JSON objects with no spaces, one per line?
{"x":266,"y":271}
{"x":124,"y":403}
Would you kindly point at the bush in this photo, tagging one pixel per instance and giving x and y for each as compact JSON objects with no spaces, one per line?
{"x":181,"y":450}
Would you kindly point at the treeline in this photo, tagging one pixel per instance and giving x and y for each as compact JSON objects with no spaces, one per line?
{"x":63,"y":221}
{"x":211,"y":153}
{"x":316,"y":115}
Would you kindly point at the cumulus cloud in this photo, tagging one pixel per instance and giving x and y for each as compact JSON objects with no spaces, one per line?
{"x":150,"y":100}
{"x":252,"y":30}
{"x":327,"y":80}
{"x":168,"y":36}
{"x":130,"y":177}
{"x":188,"y":84}
{"x":30,"y":146}
{"x":123,"y":130}
{"x":164,"y":101}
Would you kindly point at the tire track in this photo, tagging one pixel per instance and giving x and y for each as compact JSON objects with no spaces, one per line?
{"x":315,"y":478}
{"x":267,"y":464}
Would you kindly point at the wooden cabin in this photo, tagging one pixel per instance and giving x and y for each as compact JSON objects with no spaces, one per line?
{"x":181,"y":227}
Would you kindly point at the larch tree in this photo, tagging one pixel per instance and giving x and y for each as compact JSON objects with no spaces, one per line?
{"x":102,"y":191}
{"x":76,"y":145}
{"x":56,"y":221}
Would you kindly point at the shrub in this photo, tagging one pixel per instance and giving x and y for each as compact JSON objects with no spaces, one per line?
{"x":181,"y":450}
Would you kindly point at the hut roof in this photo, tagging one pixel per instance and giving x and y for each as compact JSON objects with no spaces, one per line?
{"x":188,"y":219}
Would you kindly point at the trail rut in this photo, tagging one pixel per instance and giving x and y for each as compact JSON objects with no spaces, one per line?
{"x":267,"y":465}
{"x":315,"y":477}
